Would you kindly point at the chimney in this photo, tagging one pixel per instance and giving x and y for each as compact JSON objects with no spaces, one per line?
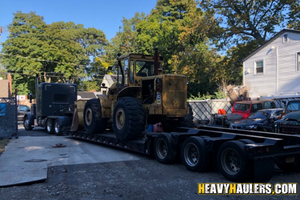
{"x":9,"y":85}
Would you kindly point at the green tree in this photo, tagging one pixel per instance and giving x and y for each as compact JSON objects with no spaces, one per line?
{"x":179,"y":29}
{"x":246,"y":25}
{"x":294,"y":16}
{"x":124,"y":41}
{"x":244,"y":21}
{"x":54,"y":52}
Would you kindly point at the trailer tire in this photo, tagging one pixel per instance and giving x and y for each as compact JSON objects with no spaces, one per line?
{"x":57,"y":127}
{"x":194,"y":154}
{"x":233,"y":162}
{"x":128,"y":118}
{"x":164,"y":150}
{"x":49,"y":126}
{"x":263,"y":170}
{"x":26,"y":124}
{"x":92,"y":117}
{"x":291,"y":167}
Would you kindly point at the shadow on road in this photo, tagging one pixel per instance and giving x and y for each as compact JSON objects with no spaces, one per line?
{"x":38,"y":131}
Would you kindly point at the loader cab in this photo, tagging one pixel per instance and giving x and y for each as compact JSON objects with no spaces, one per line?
{"x":134,"y":67}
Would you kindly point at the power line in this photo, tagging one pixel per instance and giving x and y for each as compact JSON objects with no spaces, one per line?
{"x":41,"y":60}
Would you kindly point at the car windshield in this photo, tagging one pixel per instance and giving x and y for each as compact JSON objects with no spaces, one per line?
{"x":259,"y":114}
{"x":242,"y":107}
{"x":293,"y":106}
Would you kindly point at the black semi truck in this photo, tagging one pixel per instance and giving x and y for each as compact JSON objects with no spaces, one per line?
{"x":53,"y":108}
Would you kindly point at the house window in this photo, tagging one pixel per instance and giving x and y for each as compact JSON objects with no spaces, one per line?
{"x":298,"y":61}
{"x":259,"y":67}
{"x":285,"y":38}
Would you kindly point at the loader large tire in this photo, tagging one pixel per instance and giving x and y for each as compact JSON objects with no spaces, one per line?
{"x":128,"y":118}
{"x":92,"y":115}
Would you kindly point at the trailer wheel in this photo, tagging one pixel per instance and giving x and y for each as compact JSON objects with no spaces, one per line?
{"x":92,"y":115}
{"x":26,"y":124}
{"x":263,"y":170}
{"x":281,"y":162}
{"x":57,"y":127}
{"x":233,"y":162}
{"x":164,"y":150}
{"x":50,"y":126}
{"x":194,"y":154}
{"x":128,"y":118}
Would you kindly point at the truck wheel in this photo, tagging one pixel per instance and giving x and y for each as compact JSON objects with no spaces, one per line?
{"x":128,"y":118}
{"x":50,"y":126}
{"x":57,"y":127}
{"x":26,"y":124}
{"x":92,"y":115}
{"x":164,"y":150}
{"x":194,"y":155}
{"x":292,"y":167}
{"x":233,"y":162}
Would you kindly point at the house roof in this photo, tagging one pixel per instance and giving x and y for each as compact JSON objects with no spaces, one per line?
{"x":86,"y":94}
{"x":271,"y":40}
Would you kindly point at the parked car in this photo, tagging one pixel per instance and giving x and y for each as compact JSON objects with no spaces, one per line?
{"x":242,"y":110}
{"x":262,"y":120}
{"x":291,"y":106}
{"x":289,"y":123}
{"x":22,"y":110}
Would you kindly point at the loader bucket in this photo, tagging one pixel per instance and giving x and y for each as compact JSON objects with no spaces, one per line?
{"x":75,"y":121}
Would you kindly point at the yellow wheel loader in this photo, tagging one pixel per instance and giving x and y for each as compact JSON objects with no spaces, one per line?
{"x":140,"y":95}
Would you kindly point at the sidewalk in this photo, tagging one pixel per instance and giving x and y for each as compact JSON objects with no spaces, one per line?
{"x":27,"y":158}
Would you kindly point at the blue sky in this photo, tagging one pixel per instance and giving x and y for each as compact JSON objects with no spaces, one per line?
{"x":105,"y":15}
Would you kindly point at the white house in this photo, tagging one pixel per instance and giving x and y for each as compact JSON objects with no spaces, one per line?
{"x":273,"y":70}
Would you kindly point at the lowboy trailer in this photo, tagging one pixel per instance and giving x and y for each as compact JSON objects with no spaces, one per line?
{"x":240,"y":155}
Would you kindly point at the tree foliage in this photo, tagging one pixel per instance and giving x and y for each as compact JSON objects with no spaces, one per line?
{"x":188,"y":34}
{"x":246,"y":25}
{"x":54,"y":52}
{"x":179,"y":30}
{"x":248,"y":20}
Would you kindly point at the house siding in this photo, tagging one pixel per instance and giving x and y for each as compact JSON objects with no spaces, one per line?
{"x":280,"y":75}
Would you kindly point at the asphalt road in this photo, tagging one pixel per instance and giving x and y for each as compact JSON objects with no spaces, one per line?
{"x":138,"y":179}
